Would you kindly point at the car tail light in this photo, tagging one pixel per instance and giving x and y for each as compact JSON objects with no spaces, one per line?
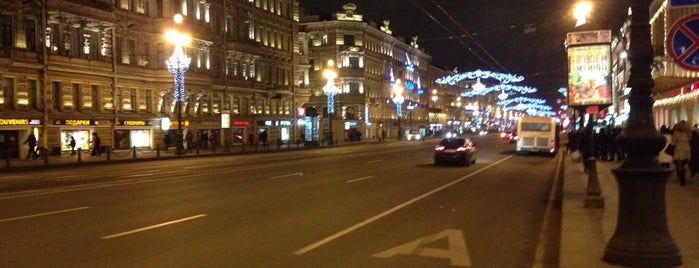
{"x":439,"y":148}
{"x":461,"y":149}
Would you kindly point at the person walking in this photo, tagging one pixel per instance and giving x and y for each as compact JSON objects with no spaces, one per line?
{"x":31,"y":142}
{"x":694,"y":151}
{"x":72,"y":146}
{"x":680,"y":138}
{"x":96,"y":142}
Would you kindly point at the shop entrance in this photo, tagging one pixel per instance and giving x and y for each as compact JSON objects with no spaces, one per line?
{"x":9,"y":142}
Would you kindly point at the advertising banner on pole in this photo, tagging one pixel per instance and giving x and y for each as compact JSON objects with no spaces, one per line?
{"x":589,"y":75}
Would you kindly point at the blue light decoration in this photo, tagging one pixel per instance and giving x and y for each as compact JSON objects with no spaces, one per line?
{"x":502,"y":77}
{"x":501,"y":87}
{"x":409,"y":84}
{"x":330,"y":90}
{"x":421,"y":91}
{"x":509,"y":101}
{"x":178,"y":64}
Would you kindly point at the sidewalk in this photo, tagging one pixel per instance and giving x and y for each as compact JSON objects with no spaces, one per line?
{"x":586,"y":231}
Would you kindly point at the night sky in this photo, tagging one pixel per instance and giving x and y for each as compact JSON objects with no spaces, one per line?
{"x":523,"y":37}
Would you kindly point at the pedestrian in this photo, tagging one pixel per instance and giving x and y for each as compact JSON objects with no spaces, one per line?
{"x":680,"y":138}
{"x":96,"y":142}
{"x":31,"y":142}
{"x":72,"y":146}
{"x":251,"y":139}
{"x":694,"y":151}
{"x":189,"y":138}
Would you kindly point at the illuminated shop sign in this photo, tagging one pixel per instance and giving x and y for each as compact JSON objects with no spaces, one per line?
{"x":274,"y":123}
{"x":175,"y":124}
{"x":19,"y":122}
{"x":75,"y":122}
{"x":241,"y":123}
{"x":136,"y":123}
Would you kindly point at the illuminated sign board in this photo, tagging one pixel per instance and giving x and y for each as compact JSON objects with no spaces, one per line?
{"x":19,"y":122}
{"x":75,"y":122}
{"x":134,"y":123}
{"x":225,"y":120}
{"x":589,"y":79}
{"x":241,"y":123}
{"x":275,"y":123}
{"x":175,"y":123}
{"x":589,"y":37}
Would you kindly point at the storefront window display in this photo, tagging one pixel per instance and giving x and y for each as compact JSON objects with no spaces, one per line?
{"x":127,"y":138}
{"x":81,"y":136}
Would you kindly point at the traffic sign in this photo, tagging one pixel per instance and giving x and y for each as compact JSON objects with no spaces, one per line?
{"x":683,"y":42}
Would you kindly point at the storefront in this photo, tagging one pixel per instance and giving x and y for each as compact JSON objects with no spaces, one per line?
{"x":134,"y":133}
{"x":79,"y":129}
{"x":13,"y":132}
{"x":272,"y":130}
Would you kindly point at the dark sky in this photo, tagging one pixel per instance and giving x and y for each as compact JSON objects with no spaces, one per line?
{"x":486,"y":34}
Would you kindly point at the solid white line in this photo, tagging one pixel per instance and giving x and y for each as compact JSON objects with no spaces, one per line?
{"x":360,"y":179}
{"x":43,"y":214}
{"x":152,"y":227}
{"x":388,"y":212}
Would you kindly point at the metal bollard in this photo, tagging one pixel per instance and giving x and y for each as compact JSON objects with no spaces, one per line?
{"x":134,"y":152}
{"x":109,"y":153}
{"x":80,"y":153}
{"x":157,"y":151}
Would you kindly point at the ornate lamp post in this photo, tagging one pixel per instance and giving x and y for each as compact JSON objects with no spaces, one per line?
{"x":178,"y":64}
{"x":398,"y":100}
{"x":330,"y":90}
{"x":641,"y":237}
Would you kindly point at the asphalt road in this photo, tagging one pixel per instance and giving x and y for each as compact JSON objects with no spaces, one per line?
{"x":374,"y":205}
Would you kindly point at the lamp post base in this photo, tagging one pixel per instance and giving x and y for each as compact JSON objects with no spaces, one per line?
{"x":642,"y":238}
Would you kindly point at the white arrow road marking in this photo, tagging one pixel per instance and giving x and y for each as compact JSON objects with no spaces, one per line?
{"x":288,"y":175}
{"x":42,"y":214}
{"x":456,"y":252}
{"x":359,"y":179}
{"x":152,"y":227}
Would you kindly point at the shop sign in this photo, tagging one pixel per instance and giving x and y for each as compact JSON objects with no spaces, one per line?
{"x":241,"y":123}
{"x":75,"y":122}
{"x":19,"y":122}
{"x":274,"y":123}
{"x":589,"y":37}
{"x":136,"y":123}
{"x":175,"y":123}
{"x":225,"y":120}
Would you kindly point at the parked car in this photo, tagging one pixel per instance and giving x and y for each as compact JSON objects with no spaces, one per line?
{"x":415,"y":136}
{"x":455,"y":150}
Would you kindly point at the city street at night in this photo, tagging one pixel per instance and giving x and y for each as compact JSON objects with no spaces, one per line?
{"x":367,"y":205}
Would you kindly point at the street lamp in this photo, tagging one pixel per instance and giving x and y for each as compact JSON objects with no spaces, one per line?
{"x":178,"y":64}
{"x":398,"y":100}
{"x":641,"y":237}
{"x":330,"y":90}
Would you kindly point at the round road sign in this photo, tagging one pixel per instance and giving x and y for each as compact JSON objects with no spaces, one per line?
{"x":683,"y":42}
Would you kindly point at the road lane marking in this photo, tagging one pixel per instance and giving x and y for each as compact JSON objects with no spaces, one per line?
{"x":368,"y":221}
{"x":359,"y":179}
{"x":374,"y":161}
{"x":287,"y":175}
{"x":456,"y":250}
{"x":153,"y":226}
{"x":43,"y":214}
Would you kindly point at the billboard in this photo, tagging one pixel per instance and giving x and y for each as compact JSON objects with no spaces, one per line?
{"x":589,"y":75}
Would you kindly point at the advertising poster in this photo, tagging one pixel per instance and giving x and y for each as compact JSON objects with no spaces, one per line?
{"x":589,"y":80}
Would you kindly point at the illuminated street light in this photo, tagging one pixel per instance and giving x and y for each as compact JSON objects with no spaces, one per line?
{"x":398,"y":100}
{"x":581,"y":12}
{"x":178,"y":64}
{"x":330,"y":90}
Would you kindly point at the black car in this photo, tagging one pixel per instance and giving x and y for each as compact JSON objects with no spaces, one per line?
{"x":455,"y":150}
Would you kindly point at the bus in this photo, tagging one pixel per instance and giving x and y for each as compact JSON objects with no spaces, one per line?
{"x":537,"y":134}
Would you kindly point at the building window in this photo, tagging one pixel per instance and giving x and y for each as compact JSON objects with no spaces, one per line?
{"x":349,"y":40}
{"x":5,"y":34}
{"x":30,"y":32}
